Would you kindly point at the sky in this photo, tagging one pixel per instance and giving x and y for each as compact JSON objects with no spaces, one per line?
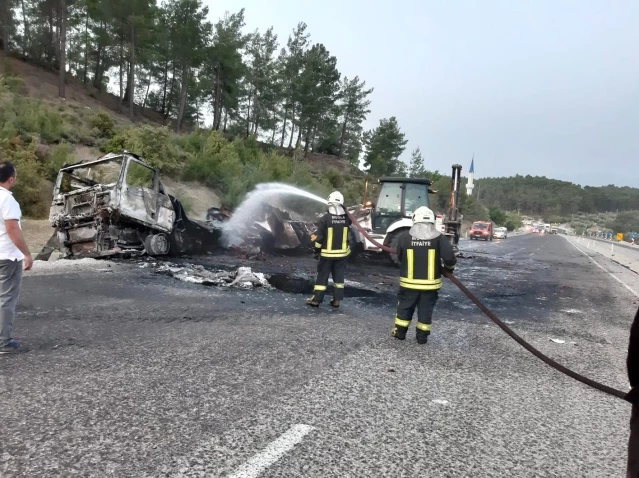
{"x":539,"y":87}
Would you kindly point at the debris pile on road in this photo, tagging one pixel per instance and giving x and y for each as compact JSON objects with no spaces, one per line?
{"x":242,"y":278}
{"x":270,"y":229}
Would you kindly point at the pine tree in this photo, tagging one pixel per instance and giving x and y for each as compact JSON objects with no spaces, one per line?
{"x":384,"y":145}
{"x":290,"y":69}
{"x":317,"y":90}
{"x":7,"y":22}
{"x":224,"y":64}
{"x":353,"y":111}
{"x":189,"y":34}
{"x":416,"y":169}
{"x":261,"y":81}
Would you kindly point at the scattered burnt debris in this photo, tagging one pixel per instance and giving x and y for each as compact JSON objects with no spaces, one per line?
{"x":242,"y":277}
{"x":245,"y":277}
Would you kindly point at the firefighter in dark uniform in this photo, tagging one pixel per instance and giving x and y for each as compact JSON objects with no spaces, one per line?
{"x":332,"y":243}
{"x":421,"y":251}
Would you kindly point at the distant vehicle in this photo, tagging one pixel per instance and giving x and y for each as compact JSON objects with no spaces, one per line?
{"x":501,"y":233}
{"x":553,"y":230}
{"x":482,"y":230}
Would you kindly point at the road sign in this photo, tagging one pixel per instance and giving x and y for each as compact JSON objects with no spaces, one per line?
{"x":620,"y":236}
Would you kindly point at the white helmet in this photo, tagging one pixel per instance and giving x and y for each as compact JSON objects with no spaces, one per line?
{"x":423,"y":214}
{"x":335,"y":198}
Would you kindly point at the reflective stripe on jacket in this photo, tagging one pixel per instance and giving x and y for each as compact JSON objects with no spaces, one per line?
{"x":332,"y":236}
{"x":421,"y":261}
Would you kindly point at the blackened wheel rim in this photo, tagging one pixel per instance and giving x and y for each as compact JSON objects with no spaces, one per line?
{"x":157,"y":245}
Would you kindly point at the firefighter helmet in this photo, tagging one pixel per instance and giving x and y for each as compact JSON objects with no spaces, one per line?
{"x":423,"y":214}
{"x":335,"y":198}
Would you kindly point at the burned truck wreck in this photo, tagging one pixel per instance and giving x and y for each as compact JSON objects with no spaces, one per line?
{"x":117,"y":205}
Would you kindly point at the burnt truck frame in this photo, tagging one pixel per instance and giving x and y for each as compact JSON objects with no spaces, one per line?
{"x":114,"y":205}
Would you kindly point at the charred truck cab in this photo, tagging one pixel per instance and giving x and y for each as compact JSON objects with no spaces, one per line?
{"x":391,"y":215}
{"x":115,"y":204}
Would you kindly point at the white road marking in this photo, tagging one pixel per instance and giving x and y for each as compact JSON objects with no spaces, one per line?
{"x":603,"y":269}
{"x":273,"y":452}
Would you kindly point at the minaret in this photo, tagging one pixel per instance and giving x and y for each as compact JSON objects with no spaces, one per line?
{"x":471,"y":172}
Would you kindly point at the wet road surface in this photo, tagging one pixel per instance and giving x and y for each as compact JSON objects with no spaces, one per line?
{"x":137,"y":374}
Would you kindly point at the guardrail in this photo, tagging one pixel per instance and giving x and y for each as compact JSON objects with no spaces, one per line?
{"x":623,"y":244}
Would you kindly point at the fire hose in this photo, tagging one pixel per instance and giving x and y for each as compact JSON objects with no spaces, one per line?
{"x":557,"y":366}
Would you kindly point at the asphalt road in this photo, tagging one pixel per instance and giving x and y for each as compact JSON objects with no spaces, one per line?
{"x":137,"y":374}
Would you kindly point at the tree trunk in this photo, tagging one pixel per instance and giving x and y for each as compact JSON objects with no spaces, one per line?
{"x":216,"y":102}
{"x":341,"y":141}
{"x":96,"y":78}
{"x":165,"y":85}
{"x":121,"y":73}
{"x":284,"y":127}
{"x":63,"y":48}
{"x":299,"y":135}
{"x":131,"y":87}
{"x":197,"y":113}
{"x":290,"y":142}
{"x":52,"y":39}
{"x":248,"y":117}
{"x":183,"y":94}
{"x":86,"y":47}
{"x":307,"y":140}
{"x":314,"y":138}
{"x":5,"y":23}
{"x":27,"y":32}
{"x":57,"y":35}
{"x":273,"y":137}
{"x":226,"y":117}
{"x":146,"y":95}
{"x":168,"y":107}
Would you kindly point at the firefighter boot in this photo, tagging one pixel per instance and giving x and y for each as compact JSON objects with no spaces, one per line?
{"x":335,"y":303}
{"x":312,"y":302}
{"x":422,"y":337}
{"x":422,"y":333}
{"x":399,"y":333}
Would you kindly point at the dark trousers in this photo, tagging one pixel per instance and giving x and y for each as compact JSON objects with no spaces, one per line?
{"x":326,"y":268}
{"x":633,"y":444}
{"x":407,"y":301}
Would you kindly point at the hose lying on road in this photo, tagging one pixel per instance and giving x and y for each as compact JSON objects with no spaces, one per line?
{"x":557,"y":366}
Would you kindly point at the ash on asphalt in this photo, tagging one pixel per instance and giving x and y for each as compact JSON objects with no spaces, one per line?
{"x":137,"y":374}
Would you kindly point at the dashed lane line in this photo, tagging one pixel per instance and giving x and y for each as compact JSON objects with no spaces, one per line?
{"x":603,"y":269}
{"x":273,"y":452}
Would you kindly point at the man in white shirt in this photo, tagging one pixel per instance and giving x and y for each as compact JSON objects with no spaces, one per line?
{"x":14,"y":256}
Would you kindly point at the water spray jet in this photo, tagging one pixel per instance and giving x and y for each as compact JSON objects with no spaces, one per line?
{"x":242,"y":218}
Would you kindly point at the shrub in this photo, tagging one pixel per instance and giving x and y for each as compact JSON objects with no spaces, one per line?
{"x":154,"y":145}
{"x":59,"y":155}
{"x":103,"y":125}
{"x":16,"y":84}
{"x":335,"y":178}
{"x":31,"y":191}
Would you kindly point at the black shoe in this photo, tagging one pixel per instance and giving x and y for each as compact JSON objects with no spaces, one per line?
{"x":422,"y":340}
{"x":312,"y":302}
{"x":335,"y":303}
{"x":395,"y":333}
{"x":13,"y":347}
